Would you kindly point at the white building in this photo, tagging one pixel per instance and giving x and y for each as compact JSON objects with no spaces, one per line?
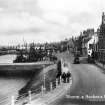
{"x":92,"y":43}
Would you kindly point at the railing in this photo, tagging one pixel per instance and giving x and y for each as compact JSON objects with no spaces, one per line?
{"x":34,"y":94}
{"x":31,"y":95}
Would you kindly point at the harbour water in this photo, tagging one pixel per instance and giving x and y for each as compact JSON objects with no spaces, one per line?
{"x":9,"y":85}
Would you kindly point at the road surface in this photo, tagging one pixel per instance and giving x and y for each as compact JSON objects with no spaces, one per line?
{"x":88,"y":80}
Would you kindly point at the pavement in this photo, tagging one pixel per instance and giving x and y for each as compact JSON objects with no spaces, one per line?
{"x":53,"y":95}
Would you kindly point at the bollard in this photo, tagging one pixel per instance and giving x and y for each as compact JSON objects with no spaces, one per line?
{"x":29,"y":93}
{"x":56,"y":82}
{"x":42,"y":90}
{"x":60,"y":80}
{"x":51,"y":86}
{"x":12,"y":100}
{"x":66,"y":80}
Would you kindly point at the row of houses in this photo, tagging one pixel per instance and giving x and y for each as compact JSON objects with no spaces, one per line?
{"x":90,"y":40}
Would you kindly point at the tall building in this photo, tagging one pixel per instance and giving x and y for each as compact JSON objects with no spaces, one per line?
{"x":101,"y":43}
{"x":102,"y":34}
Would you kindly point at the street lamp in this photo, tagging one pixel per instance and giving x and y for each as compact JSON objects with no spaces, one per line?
{"x":44,"y":78}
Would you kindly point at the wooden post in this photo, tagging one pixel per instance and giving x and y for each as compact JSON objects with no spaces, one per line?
{"x":42,"y":90}
{"x":56,"y":82}
{"x":44,"y":77}
{"x":51,"y":86}
{"x":29,"y":93}
{"x":12,"y":100}
{"x":60,"y":80}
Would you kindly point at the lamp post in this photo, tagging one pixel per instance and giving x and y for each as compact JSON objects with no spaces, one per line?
{"x":44,"y":78}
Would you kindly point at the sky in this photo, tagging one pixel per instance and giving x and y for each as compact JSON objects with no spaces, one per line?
{"x":47,"y":20}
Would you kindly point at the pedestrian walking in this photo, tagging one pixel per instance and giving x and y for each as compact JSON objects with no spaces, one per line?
{"x":58,"y":70}
{"x":68,"y":77}
{"x":58,"y":77}
{"x":59,"y":67}
{"x":64,"y":77}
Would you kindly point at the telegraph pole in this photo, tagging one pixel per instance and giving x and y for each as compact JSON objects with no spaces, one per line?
{"x":44,"y":77}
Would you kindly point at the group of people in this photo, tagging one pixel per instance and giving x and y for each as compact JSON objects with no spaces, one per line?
{"x":63,"y":71}
{"x":66,"y":77}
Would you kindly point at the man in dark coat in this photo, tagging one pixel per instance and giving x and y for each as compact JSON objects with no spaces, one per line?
{"x":64,"y":77}
{"x":58,"y":70}
{"x":68,"y":75}
{"x":59,"y":66}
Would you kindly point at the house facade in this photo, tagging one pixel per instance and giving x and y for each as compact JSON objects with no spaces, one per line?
{"x":86,"y":40}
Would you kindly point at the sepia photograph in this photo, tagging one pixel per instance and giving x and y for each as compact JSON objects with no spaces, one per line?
{"x":52,"y":52}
